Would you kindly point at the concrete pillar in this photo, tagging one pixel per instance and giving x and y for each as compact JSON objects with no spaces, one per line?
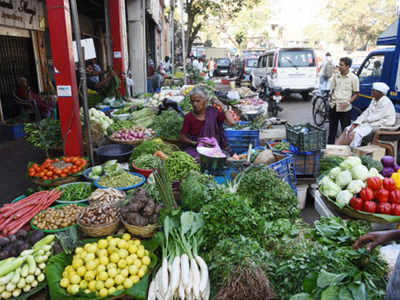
{"x":137,"y":43}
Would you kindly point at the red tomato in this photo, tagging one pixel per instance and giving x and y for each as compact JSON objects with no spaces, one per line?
{"x":382,"y":195}
{"x":367,"y":194}
{"x":384,"y":208}
{"x":395,"y":197}
{"x":396,"y":209}
{"x":389,"y":184}
{"x":356,"y":203}
{"x":374,"y":183}
{"x":369,"y":206}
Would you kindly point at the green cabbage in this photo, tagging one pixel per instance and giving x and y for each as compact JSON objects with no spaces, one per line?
{"x":329,"y":188}
{"x":350,"y":162}
{"x":355,"y":186}
{"x":343,"y":198}
{"x":334,"y":172}
{"x":374,"y":173}
{"x":360,"y":172}
{"x":343,"y":178}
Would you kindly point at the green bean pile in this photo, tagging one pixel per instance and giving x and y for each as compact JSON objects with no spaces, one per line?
{"x":75,"y":192}
{"x":179,"y":164}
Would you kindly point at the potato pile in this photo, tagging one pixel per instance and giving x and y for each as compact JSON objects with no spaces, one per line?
{"x":55,"y":218}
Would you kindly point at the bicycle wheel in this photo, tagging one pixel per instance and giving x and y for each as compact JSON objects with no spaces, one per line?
{"x":320,"y":111}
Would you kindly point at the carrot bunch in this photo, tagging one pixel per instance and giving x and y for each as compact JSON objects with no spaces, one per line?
{"x":13,"y":216}
{"x":57,"y":168}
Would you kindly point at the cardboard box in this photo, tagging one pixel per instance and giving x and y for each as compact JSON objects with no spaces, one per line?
{"x":337,"y":150}
{"x":376,"y":152}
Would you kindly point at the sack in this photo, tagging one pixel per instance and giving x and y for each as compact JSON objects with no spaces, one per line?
{"x":328,"y":70}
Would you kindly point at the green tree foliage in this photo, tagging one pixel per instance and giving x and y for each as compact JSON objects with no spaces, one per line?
{"x":358,"y":23}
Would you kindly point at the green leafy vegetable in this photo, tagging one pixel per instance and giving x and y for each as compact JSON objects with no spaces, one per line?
{"x":168,"y":124}
{"x":369,"y":162}
{"x":179,"y":164}
{"x":45,"y":134}
{"x":147,"y":162}
{"x":195,"y":191}
{"x":150,"y":147}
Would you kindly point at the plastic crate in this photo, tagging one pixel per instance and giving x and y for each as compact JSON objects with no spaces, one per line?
{"x":312,"y":140}
{"x":13,"y":132}
{"x":239,"y":140}
{"x":308,"y":163}
{"x":285,"y":168}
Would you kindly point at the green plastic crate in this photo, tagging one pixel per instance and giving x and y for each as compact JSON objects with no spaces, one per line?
{"x":306,"y":137}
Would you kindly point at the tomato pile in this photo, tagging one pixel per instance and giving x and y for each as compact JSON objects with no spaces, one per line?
{"x":380,"y":196}
{"x":57,"y":168}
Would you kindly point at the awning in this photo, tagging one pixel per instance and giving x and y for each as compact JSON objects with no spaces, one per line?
{"x":389,"y":36}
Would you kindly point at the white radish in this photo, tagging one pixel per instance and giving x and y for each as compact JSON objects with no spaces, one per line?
{"x":204,"y":279}
{"x":151,"y":295}
{"x":194,"y":269}
{"x":164,"y":277}
{"x":181,"y":291}
{"x":185,"y":271}
{"x":207,"y":291}
{"x":158,"y":284}
{"x":175,"y":274}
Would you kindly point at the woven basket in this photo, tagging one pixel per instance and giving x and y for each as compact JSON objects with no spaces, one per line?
{"x":133,"y":143}
{"x":55,"y":182}
{"x":99,"y":230}
{"x":141,"y":231}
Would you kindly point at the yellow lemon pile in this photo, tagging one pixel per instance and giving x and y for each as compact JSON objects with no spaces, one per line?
{"x":104,"y":267}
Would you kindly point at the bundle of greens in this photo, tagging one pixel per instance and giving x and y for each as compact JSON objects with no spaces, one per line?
{"x":269,"y":194}
{"x":147,"y":162}
{"x":195,"y":190}
{"x":186,"y":104}
{"x":45,"y":134}
{"x":119,"y":124}
{"x":150,"y":147}
{"x":179,"y":164}
{"x":143,"y":117}
{"x":168,"y":124}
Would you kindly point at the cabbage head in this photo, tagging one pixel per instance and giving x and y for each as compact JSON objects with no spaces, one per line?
{"x":334,"y":172}
{"x":360,"y":172}
{"x":350,"y":162}
{"x":343,"y":178}
{"x":343,"y":198}
{"x":328,"y":188}
{"x":374,"y":173}
{"x":355,"y":186}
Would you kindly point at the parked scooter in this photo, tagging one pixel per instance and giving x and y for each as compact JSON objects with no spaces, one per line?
{"x":272,"y":95}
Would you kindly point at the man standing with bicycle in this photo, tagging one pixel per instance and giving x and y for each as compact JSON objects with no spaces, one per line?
{"x":345,"y":88}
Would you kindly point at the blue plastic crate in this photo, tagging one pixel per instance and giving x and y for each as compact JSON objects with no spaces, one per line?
{"x":285,"y":168}
{"x":13,"y":132}
{"x":239,"y":140}
{"x":308,"y":163}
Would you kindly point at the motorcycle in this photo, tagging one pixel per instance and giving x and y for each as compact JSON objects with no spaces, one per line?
{"x":272,"y":95}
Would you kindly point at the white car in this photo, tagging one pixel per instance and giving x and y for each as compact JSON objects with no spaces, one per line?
{"x":294,"y":70}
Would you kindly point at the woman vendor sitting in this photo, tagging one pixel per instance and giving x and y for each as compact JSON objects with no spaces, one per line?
{"x":205,"y":121}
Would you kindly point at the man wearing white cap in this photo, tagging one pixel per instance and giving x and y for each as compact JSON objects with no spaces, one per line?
{"x":379,"y":114}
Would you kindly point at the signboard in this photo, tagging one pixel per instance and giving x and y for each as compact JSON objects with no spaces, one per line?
{"x":26,"y":14}
{"x":88,"y":46}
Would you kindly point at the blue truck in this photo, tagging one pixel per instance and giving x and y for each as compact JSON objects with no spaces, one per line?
{"x":381,"y":65}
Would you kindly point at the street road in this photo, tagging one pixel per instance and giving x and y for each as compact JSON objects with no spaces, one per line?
{"x":296,"y":110}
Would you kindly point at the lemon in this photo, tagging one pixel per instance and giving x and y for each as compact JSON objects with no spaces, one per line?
{"x":90,"y":275}
{"x":114,"y":257}
{"x":87,"y":291}
{"x":122,"y":244}
{"x":68,"y":269}
{"x":132,"y":249}
{"x":133,"y":269}
{"x":109,"y":283}
{"x":81,"y":271}
{"x":74,"y":279}
{"x":119,"y":279}
{"x":146,"y":260}
{"x":103,"y":276}
{"x":122,"y":263}
{"x":113,"y":242}
{"x":102,"y":252}
{"x":73,"y":289}
{"x":128,"y":283}
{"x":130,"y":260}
{"x":83,"y":284}
{"x":120,"y":287}
{"x":111,"y":290}
{"x":137,"y":263}
{"x":109,"y":238}
{"x":100,"y":268}
{"x":112,"y":249}
{"x":136,"y":242}
{"x":90,"y":257}
{"x":86,"y":247}
{"x":99,"y":285}
{"x":140,"y":251}
{"x":146,"y":253}
{"x":124,"y":272}
{"x":142,"y":271}
{"x":64,"y":274}
{"x":102,"y":244}
{"x":135,"y":279}
{"x":112,"y":272}
{"x":91,"y":265}
{"x":97,"y":261}
{"x":126,"y":236}
{"x":104,"y":260}
{"x":123,"y":253}
{"x":92,"y":248}
{"x":83,"y":255}
{"x":64,"y":282}
{"x":77,"y":262}
{"x":78,"y":250}
{"x":103,"y":292}
{"x":92,"y":286}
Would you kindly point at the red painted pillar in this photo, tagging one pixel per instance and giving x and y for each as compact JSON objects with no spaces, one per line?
{"x":116,"y":15}
{"x":59,"y":18}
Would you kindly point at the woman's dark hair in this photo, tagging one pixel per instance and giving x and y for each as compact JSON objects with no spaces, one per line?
{"x":346,"y":60}
{"x":166,"y":59}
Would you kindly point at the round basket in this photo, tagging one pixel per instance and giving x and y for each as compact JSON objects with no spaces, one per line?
{"x":99,"y":230}
{"x":141,"y":231}
{"x":55,"y":182}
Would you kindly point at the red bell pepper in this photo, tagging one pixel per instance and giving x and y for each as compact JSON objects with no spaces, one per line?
{"x":396,"y":209}
{"x":389,"y":184}
{"x":384,"y":208}
{"x":369,"y":206}
{"x":356,"y":203}
{"x":382,"y":195}
{"x":367,"y":194}
{"x":394,"y":196}
{"x":374,"y":183}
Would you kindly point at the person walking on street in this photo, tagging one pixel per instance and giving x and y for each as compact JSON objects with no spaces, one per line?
{"x":326,"y":72}
{"x":211,"y":67}
{"x":345,"y":88}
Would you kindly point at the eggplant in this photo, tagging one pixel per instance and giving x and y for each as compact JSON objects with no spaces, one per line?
{"x":21,"y":234}
{"x":12,"y":237}
{"x":23,"y":246}
{"x":36,"y":236}
{"x":4,"y":241}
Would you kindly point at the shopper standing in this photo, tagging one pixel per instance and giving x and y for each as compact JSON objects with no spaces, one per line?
{"x":345,"y":89}
{"x":326,"y":72}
